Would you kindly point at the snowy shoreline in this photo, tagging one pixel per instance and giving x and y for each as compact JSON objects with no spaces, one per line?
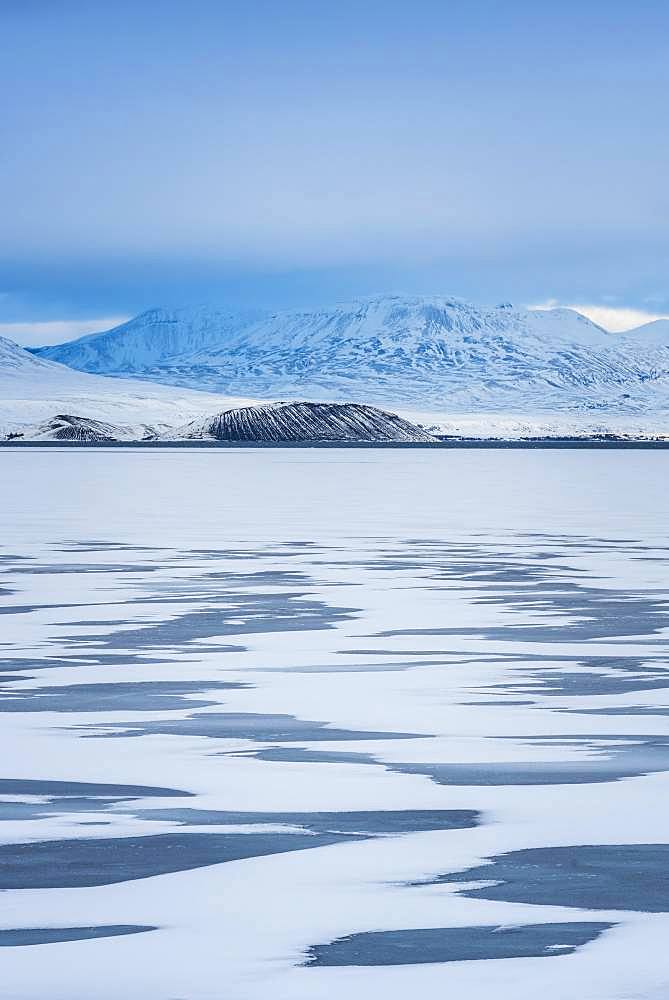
{"x":496,"y":443}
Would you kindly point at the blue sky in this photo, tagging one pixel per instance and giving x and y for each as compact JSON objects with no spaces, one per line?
{"x":293,"y":153}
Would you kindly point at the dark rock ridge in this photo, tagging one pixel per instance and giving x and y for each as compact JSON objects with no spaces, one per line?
{"x":301,"y":421}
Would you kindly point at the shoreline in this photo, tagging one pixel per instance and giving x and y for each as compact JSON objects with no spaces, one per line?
{"x":480,"y":443}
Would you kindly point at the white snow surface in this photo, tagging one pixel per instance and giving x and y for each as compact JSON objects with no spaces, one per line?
{"x":527,"y":426}
{"x":34,"y":390}
{"x":537,"y":544}
{"x":429,"y":353}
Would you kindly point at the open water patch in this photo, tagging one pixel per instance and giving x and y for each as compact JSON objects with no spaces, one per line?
{"x":103,"y":861}
{"x":363,"y":823}
{"x":592,"y":877}
{"x":425,"y":945}
{"x":49,"y":798}
{"x":256,"y":727}
{"x":603,"y":759}
{"x":139,"y":696}
{"x":242,"y":615}
{"x":25,"y":936}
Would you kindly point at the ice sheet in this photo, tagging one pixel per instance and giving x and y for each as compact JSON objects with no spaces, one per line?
{"x":263,"y":701}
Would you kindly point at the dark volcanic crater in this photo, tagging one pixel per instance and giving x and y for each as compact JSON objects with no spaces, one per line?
{"x":302,"y":421}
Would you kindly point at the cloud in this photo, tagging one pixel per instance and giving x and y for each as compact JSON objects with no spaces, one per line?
{"x":615,"y":319}
{"x":56,"y":331}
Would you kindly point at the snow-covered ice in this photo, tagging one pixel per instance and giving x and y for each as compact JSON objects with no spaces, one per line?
{"x":272,"y":717}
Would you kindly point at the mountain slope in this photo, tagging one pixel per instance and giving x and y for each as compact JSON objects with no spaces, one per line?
{"x":33,"y":389}
{"x":650,"y":334}
{"x":422,"y":353}
{"x":302,"y":421}
{"x":158,"y":336}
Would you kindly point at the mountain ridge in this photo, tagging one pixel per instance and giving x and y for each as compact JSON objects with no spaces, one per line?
{"x":421,"y":352}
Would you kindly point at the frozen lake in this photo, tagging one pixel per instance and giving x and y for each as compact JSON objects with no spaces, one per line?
{"x":304,"y":724}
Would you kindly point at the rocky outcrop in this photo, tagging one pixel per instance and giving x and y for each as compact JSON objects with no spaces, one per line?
{"x":67,"y":427}
{"x":276,"y":423}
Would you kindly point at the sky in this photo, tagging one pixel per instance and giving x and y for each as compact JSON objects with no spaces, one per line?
{"x":290,"y":153}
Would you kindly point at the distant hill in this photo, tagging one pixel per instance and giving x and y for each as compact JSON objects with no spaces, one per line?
{"x":417,"y":353}
{"x":302,"y":422}
{"x":655,"y":333}
{"x":69,"y":427}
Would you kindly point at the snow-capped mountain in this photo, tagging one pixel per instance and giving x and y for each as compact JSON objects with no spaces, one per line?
{"x":33,"y":390}
{"x":436,"y":354}
{"x":302,"y":422}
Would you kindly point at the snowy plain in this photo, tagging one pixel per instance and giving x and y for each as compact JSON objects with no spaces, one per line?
{"x":333,"y":683}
